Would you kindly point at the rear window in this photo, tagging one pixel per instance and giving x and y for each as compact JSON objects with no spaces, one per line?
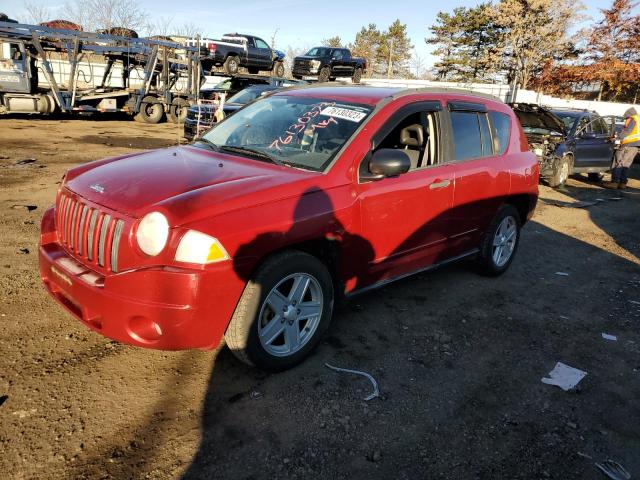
{"x":501,"y":129}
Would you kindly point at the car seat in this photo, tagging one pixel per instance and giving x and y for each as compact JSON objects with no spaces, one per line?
{"x":412,"y":139}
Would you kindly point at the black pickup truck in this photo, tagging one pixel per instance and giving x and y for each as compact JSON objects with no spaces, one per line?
{"x":327,"y":63}
{"x":235,"y":50}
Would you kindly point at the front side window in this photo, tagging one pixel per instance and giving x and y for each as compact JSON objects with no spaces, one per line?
{"x":467,"y":140}
{"x":599,"y":126}
{"x":318,"y":52}
{"x":290,"y":130}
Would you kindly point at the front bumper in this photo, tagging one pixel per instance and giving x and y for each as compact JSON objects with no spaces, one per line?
{"x":165,"y":308}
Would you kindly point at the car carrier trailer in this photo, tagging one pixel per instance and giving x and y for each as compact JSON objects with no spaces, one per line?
{"x":45,"y":70}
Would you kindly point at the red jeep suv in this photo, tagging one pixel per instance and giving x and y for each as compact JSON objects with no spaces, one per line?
{"x":298,"y":199}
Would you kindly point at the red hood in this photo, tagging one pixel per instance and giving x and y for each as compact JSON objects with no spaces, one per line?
{"x":180,"y":180}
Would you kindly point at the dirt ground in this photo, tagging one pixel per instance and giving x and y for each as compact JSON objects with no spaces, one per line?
{"x":458,"y":357}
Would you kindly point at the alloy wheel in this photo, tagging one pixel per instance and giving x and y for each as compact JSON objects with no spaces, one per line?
{"x":290,"y":314}
{"x":504,"y":241}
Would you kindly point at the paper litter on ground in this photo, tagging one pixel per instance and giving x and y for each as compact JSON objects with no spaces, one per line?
{"x":606,"y":336}
{"x":564,"y":376}
{"x":562,"y":274}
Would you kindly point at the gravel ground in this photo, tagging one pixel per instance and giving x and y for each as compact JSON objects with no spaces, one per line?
{"x":458,"y":357}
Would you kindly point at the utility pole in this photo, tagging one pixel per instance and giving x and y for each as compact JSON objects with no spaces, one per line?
{"x":390,"y":56}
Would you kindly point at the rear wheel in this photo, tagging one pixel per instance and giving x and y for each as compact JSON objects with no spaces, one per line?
{"x":231,"y":65}
{"x":324,"y":74}
{"x":501,"y":242}
{"x":151,"y":110}
{"x":357,"y":75}
{"x":178,"y":110}
{"x":282,"y":313}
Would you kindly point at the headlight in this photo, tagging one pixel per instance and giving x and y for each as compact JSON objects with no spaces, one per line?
{"x":315,"y":63}
{"x":197,"y":247}
{"x":152,"y":233}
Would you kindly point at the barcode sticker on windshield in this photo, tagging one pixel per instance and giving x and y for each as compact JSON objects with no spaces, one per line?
{"x":344,"y":113}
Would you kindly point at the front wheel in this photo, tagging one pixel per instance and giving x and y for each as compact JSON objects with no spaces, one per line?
{"x":561,"y":171}
{"x":501,"y":242}
{"x":282,"y":313}
{"x":324,"y":74}
{"x":278,"y":69}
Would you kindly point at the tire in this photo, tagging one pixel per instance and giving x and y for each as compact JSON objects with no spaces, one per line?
{"x":595,"y":176}
{"x":253,"y":70}
{"x":561,"y":172}
{"x":357,"y":75}
{"x":278,"y":69}
{"x":231,"y":65}
{"x":323,"y":76}
{"x":504,"y":228}
{"x":178,"y":110}
{"x":255,"y":316}
{"x":151,"y":110}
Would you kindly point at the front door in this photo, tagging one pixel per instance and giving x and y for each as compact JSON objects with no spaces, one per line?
{"x":406,"y":219}
{"x":264,"y":54}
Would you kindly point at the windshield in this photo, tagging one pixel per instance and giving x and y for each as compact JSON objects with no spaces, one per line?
{"x":318,"y":52}
{"x":567,"y":118}
{"x":295,"y":131}
{"x":224,"y":85}
{"x":246,"y":95}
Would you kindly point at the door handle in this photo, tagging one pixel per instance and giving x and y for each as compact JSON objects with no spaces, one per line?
{"x":440,"y":184}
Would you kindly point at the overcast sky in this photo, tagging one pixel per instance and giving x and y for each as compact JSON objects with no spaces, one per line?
{"x":301,"y":23}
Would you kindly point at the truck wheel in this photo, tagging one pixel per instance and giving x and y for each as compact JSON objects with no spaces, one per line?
{"x":357,"y":75}
{"x":278,"y":69}
{"x":324,"y":74}
{"x":561,"y":171}
{"x":231,"y":65}
{"x":500,"y":242}
{"x":151,"y":110}
{"x":282,"y":313}
{"x":178,"y":110}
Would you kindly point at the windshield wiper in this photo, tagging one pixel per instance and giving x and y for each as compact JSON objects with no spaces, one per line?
{"x":209,"y":143}
{"x":251,"y":152}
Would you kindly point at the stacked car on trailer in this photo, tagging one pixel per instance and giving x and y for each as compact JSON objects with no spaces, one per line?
{"x":45,"y":69}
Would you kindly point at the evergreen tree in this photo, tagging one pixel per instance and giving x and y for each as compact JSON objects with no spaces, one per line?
{"x":394,"y":50}
{"x":366,"y":45}
{"x":334,"y":42}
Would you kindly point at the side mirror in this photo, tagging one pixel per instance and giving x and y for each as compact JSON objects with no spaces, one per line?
{"x":388,"y":162}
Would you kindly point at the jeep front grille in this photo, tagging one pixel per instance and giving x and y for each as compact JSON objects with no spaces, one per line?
{"x":89,"y":232}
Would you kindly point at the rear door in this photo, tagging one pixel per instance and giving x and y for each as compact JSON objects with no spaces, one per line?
{"x":347,"y":63}
{"x":481,"y":179}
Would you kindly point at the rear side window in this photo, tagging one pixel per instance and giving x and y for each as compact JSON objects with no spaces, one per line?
{"x":471,"y":135}
{"x":501,"y":129}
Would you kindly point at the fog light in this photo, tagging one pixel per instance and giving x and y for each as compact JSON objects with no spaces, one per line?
{"x":144,"y":329}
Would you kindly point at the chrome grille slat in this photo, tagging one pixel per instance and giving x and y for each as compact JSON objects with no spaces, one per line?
{"x":65,"y":222}
{"x":81,"y":237}
{"x":115,"y":245}
{"x":72,"y":227}
{"x":106,"y":220}
{"x":92,"y":228}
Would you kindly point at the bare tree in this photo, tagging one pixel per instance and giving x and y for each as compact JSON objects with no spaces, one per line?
{"x":188,"y":29}
{"x":106,"y":14}
{"x":273,"y":38}
{"x":36,"y":13}
{"x":290,"y":55}
{"x":417,"y":65}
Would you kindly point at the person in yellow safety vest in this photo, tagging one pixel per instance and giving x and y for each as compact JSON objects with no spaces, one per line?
{"x":629,"y":148}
